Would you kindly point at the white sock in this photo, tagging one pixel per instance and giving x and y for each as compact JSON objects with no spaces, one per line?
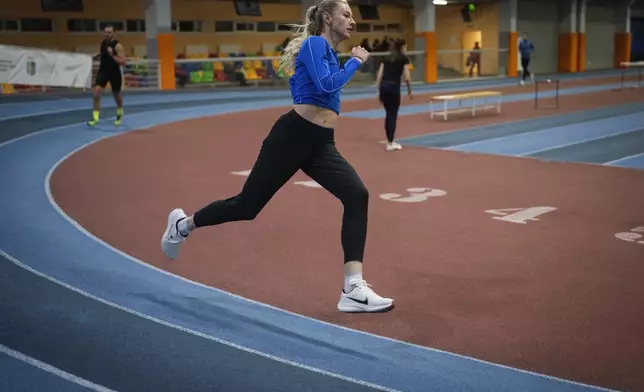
{"x":182,"y":226}
{"x":348,"y":278}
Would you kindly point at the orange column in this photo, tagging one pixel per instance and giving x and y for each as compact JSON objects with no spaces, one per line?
{"x":581,"y":36}
{"x":508,"y":36}
{"x":622,"y":48}
{"x":581,"y":52}
{"x":158,"y":17}
{"x":513,"y":55}
{"x":165,"y":44}
{"x":568,"y":53}
{"x":623,"y":34}
{"x":425,"y":31}
{"x":431,"y":57}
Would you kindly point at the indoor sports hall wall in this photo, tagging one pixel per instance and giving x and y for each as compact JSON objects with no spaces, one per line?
{"x":452,"y":33}
{"x":600,"y":32}
{"x":539,"y":18}
{"x":37,"y":28}
{"x":200,"y":27}
{"x":203,"y":27}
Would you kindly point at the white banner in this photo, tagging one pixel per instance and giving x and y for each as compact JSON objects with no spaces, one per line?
{"x":30,"y":66}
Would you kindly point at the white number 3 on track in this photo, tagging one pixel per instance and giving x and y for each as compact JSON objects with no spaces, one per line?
{"x":416,"y":195}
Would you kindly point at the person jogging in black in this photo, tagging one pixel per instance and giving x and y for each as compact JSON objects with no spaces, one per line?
{"x":112,"y":57}
{"x":393,"y":67}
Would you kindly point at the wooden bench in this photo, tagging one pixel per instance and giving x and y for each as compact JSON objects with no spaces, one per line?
{"x":483,"y":96}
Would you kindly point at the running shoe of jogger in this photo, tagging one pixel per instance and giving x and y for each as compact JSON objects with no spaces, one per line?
{"x":303,"y":139}
{"x":392,"y":69}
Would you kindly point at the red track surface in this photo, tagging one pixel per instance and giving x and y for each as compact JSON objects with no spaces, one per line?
{"x":560,"y":296}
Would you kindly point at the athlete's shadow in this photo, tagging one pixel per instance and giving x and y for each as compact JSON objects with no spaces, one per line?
{"x":111,"y":128}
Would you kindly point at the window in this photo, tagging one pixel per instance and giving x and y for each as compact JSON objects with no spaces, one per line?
{"x":8,"y":25}
{"x":284,"y":26}
{"x":61,"y":5}
{"x":369,"y":12}
{"x":135,"y":25}
{"x":190,"y":26}
{"x":248,"y":8}
{"x":363,"y":27}
{"x":118,"y":25}
{"x":11,"y":25}
{"x":224,"y":26}
{"x":36,"y":25}
{"x":243,"y":26}
{"x":266,"y":27}
{"x":394,"y":28}
{"x":379,"y":28}
{"x":80,"y":25}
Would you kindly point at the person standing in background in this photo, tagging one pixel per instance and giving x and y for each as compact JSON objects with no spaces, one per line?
{"x":393,"y":68}
{"x":474,"y":59}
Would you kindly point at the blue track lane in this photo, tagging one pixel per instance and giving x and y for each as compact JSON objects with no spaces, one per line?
{"x":425,"y":107}
{"x":537,"y":141}
{"x":13,"y":110}
{"x":15,"y":372}
{"x":633,"y":161}
{"x":610,"y":136}
{"x":63,"y":251}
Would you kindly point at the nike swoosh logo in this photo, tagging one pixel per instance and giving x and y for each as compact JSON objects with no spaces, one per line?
{"x":365,"y":302}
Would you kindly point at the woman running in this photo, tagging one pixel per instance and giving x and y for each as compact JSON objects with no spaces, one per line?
{"x":392,"y":68}
{"x":303,"y":139}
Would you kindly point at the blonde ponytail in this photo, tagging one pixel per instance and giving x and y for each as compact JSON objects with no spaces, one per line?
{"x":310,"y":27}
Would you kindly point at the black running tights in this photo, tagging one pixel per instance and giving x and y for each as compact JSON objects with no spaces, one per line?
{"x":525,"y":62}
{"x":293,"y":144}
{"x":390,"y":99}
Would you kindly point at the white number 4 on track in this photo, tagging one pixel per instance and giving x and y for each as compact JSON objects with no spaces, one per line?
{"x":520,"y":215}
{"x":632,"y":236}
{"x":243,"y":173}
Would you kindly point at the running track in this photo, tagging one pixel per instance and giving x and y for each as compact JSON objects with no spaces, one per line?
{"x":73,"y":305}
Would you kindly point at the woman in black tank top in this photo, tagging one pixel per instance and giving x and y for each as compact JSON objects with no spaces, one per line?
{"x":392,"y":68}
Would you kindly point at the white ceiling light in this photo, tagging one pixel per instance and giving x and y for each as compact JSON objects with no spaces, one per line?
{"x":440,"y":2}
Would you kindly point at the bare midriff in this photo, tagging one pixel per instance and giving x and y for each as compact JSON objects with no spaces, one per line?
{"x":317,"y":115}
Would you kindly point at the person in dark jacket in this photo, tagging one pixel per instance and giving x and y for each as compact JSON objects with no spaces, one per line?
{"x":525,"y":50}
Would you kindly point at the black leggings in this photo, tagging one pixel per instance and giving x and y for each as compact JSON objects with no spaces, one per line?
{"x":390,"y":99}
{"x":292,"y":144}
{"x":524,"y":64}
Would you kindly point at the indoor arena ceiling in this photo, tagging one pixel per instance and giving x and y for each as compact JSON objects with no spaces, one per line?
{"x":638,"y":4}
{"x":357,"y":2}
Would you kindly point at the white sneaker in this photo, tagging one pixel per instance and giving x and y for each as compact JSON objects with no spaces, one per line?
{"x":363,"y":299}
{"x":393,"y":146}
{"x":172,"y":239}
